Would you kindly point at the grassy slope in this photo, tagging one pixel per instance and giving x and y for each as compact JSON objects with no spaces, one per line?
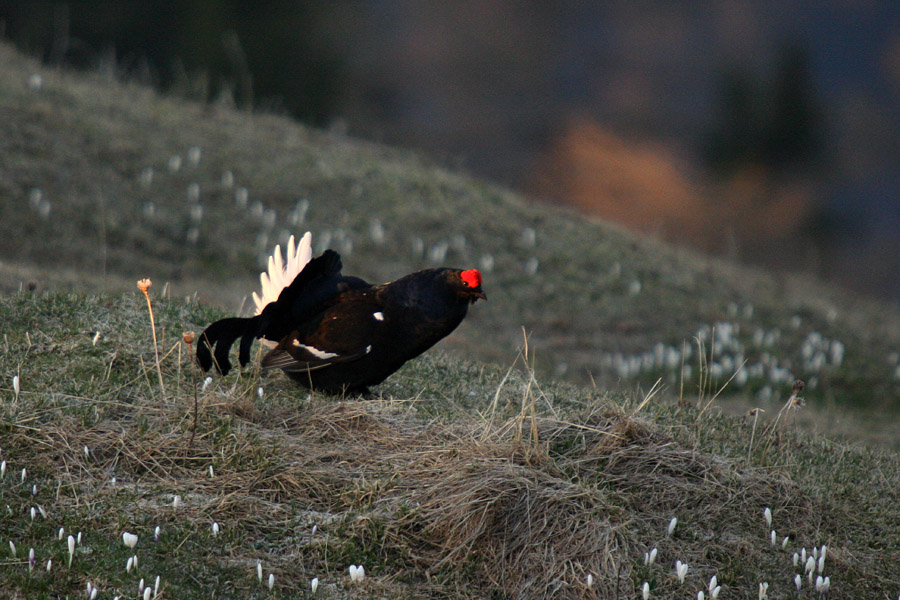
{"x":83,"y":141}
{"x":429,"y":487}
{"x":458,"y":483}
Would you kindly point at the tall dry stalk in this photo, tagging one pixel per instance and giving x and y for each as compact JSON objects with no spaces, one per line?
{"x":188,"y":338}
{"x":144,"y":286}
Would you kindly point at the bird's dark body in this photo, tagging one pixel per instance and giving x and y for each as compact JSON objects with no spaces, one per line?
{"x":339,"y":334}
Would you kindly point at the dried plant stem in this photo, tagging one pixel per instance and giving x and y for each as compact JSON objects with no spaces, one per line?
{"x":144,"y":286}
{"x":752,"y":435}
{"x":188,"y":338}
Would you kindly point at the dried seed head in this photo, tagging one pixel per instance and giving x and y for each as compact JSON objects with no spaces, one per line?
{"x":144,"y":285}
{"x":188,"y":337}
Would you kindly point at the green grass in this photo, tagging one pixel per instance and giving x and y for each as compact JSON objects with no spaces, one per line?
{"x":84,"y":140}
{"x":461,"y":480}
{"x":497,"y":476}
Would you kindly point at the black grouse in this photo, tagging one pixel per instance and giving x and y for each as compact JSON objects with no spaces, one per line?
{"x":339,"y":334}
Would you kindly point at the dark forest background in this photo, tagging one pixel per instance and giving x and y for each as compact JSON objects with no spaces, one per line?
{"x":766,"y":131}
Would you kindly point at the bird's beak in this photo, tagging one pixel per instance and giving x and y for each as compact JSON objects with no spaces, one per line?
{"x":476,"y":294}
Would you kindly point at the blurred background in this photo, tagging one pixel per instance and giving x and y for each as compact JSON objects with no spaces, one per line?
{"x":761,"y":130}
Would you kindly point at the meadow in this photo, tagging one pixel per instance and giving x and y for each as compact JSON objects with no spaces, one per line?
{"x":610,"y":385}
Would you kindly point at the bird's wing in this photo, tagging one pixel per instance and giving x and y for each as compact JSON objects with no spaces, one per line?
{"x":301,"y":357}
{"x":344,"y":332}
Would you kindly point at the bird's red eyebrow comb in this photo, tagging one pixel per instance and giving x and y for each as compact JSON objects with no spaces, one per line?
{"x":472,"y":277}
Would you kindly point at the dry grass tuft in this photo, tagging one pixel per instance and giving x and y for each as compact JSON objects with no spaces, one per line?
{"x":466,"y":497}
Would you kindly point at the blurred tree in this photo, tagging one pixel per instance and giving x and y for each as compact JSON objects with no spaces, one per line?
{"x":262,"y":52}
{"x":770,"y":122}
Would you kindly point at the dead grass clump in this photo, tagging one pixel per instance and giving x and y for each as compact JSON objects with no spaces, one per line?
{"x":527,"y":506}
{"x":534,"y":533}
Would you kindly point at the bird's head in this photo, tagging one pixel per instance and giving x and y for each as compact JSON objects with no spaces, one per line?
{"x":470,"y":285}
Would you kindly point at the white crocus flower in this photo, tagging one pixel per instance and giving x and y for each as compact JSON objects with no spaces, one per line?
{"x":357,"y":572}
{"x":773,"y":538}
{"x":12,"y":548}
{"x":215,"y":529}
{"x":590,"y":580}
{"x":763,"y":591}
{"x":672,"y":525}
{"x":798,"y":582}
{"x":129,"y":539}
{"x":271,"y":580}
{"x":2,"y":469}
{"x":768,"y":516}
{"x":259,"y":573}
{"x":71,"y":543}
{"x":314,"y":584}
{"x":129,"y":564}
{"x":645,"y":591}
{"x":681,"y":570}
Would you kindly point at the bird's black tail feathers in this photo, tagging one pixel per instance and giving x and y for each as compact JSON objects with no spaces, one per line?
{"x":221,"y":335}
{"x":319,"y":280}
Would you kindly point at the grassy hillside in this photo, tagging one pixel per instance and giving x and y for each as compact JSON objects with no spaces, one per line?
{"x":460,"y":481}
{"x":478,"y":472}
{"x":103,"y":183}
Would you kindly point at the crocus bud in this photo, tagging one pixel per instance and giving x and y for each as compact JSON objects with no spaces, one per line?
{"x":129,"y":539}
{"x":672,"y":525}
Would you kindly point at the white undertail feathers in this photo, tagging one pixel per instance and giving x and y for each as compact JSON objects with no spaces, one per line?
{"x":282,"y":271}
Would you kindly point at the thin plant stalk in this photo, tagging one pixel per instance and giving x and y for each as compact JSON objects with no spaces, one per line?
{"x":188,"y":339}
{"x":144,"y":286}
